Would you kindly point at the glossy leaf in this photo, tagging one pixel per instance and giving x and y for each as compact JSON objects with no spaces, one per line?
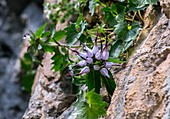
{"x":40,"y":31}
{"x":93,"y":80}
{"x":58,"y":60}
{"x":114,"y":14}
{"x":89,"y":106}
{"x":109,"y":83}
{"x":73,"y":34}
{"x":125,"y":38}
{"x":59,"y":35}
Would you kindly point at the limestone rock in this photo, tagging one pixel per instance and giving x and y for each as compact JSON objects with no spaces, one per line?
{"x":143,"y":86}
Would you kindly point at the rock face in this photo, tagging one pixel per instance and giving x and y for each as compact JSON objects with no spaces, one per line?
{"x":143,"y":87}
{"x":13,"y":100}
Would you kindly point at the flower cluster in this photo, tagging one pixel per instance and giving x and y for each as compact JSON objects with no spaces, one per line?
{"x":95,"y":57}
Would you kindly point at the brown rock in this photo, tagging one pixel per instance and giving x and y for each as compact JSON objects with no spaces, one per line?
{"x":143,"y":87}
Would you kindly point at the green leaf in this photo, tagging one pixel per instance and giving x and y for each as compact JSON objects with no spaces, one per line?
{"x":40,"y":31}
{"x":60,"y":61}
{"x":73,"y":34}
{"x":27,"y":80}
{"x":109,"y":83}
{"x":59,"y":35}
{"x":46,"y":34}
{"x":89,"y":106}
{"x":134,"y":5}
{"x":124,"y":38}
{"x":114,"y":14}
{"x":93,"y":80}
{"x":115,"y":60}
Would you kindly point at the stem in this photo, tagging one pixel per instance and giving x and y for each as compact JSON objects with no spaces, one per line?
{"x":140,"y":16}
{"x":129,"y":19}
{"x":134,"y":16}
{"x":101,"y":3}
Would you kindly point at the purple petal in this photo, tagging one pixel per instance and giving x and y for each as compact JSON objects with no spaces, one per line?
{"x":95,"y":49}
{"x":98,"y":55}
{"x":96,"y":67}
{"x":82,"y":55}
{"x":104,"y":72}
{"x":89,"y":51}
{"x":89,"y":60}
{"x":105,"y":54}
{"x":82,"y":63}
{"x":109,"y":64}
{"x":85,"y":70}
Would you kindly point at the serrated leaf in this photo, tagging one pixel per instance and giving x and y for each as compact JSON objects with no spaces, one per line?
{"x":93,"y":80}
{"x":89,"y":106}
{"x":124,"y":38}
{"x":59,"y":60}
{"x":73,"y":34}
{"x":40,"y":31}
{"x":114,"y":14}
{"x":135,"y":5}
{"x":59,"y":35}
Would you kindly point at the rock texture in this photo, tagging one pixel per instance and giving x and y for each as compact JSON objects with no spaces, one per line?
{"x":51,"y":93}
{"x":13,"y":100}
{"x":143,"y":87}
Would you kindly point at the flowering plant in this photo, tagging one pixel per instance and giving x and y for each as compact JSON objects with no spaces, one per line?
{"x":98,"y":47}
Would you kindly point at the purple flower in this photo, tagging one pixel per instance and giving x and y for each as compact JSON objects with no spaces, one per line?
{"x":81,"y":63}
{"x":105,"y":54}
{"x":95,"y":49}
{"x":104,"y":72}
{"x":82,"y":55}
{"x":109,"y":64}
{"x":85,"y":70}
{"x":89,"y":51}
{"x":96,"y":67}
{"x":98,"y":55}
{"x":89,"y":60}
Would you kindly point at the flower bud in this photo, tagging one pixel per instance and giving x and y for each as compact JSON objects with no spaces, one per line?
{"x":95,"y":49}
{"x":82,"y":55}
{"x":104,"y":72}
{"x":89,"y":60}
{"x":109,"y":64}
{"x":96,"y":67}
{"x":85,"y":70}
{"x":89,"y":51}
{"x":105,"y":54}
{"x":98,"y":55}
{"x":81,"y":63}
